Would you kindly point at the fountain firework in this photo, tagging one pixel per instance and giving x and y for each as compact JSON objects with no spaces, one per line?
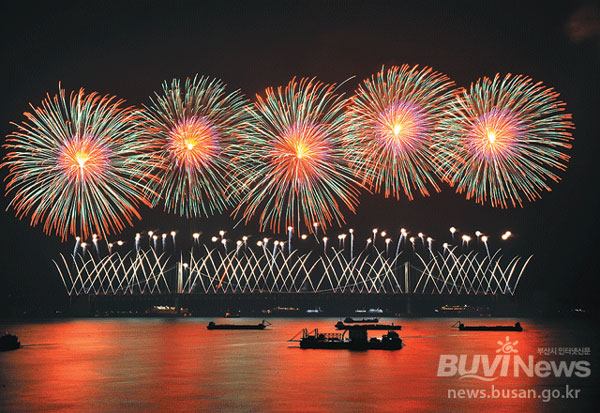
{"x":455,"y":269}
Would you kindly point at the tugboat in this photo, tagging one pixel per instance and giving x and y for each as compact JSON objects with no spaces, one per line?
{"x":341,"y":326}
{"x":9,"y":342}
{"x":261,"y":326}
{"x":357,"y":340}
{"x":516,"y":327}
{"x":350,"y":320}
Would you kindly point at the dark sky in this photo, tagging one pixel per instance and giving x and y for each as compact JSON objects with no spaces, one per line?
{"x":129,"y":49}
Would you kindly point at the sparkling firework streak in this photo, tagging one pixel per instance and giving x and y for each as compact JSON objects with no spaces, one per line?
{"x":293,"y":163}
{"x":393,"y":117}
{"x":191,"y":127}
{"x":504,"y":140}
{"x":69,"y":166}
{"x":246,"y":270}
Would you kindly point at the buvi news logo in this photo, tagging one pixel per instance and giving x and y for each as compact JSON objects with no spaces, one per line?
{"x":507,"y":362}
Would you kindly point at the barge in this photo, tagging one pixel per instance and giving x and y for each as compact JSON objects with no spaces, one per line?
{"x":341,"y":326}
{"x":260,"y":326}
{"x":356,"y":340}
{"x":516,"y":327}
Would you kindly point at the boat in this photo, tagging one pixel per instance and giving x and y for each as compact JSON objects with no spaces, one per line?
{"x":463,"y":310}
{"x":282,"y":310}
{"x":314,"y":310}
{"x":9,"y":342}
{"x":232,"y":315}
{"x":350,"y":320}
{"x":260,"y":326}
{"x":356,"y":340}
{"x":341,"y":326}
{"x":516,"y":327}
{"x":163,"y":311}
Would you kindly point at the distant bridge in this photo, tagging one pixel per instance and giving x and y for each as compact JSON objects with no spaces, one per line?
{"x":246,"y":271}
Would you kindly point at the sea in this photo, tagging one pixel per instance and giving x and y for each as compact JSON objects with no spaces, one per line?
{"x":176,"y":364}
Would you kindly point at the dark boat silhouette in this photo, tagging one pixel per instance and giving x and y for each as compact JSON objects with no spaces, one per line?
{"x":516,"y":327}
{"x":260,"y":326}
{"x":341,"y":326}
{"x":350,"y":320}
{"x":356,"y":340}
{"x":9,"y":342}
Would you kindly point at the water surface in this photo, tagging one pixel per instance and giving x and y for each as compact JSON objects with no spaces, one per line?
{"x":177,"y":364}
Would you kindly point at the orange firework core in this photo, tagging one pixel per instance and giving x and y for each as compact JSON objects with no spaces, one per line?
{"x":193,"y":142}
{"x":299,"y":151}
{"x":399,"y":127}
{"x":494,"y":134}
{"x":83,"y":158}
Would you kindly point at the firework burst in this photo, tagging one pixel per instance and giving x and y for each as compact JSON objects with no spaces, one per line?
{"x":394,"y":117}
{"x":67,"y":165}
{"x":190,"y":129}
{"x":292,"y":162}
{"x":505,"y":140}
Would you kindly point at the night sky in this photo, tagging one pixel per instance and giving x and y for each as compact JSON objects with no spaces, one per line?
{"x":129,"y":49}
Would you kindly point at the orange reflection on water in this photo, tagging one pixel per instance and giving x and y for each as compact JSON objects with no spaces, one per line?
{"x":165,"y":365}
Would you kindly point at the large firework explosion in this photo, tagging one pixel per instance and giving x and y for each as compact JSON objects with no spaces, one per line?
{"x":83,"y":164}
{"x":505,"y":139}
{"x":68,"y":165}
{"x":190,"y":129}
{"x":293,"y":159}
{"x":394,"y":117}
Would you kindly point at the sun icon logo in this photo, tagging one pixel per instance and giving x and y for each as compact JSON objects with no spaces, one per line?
{"x":507,"y":347}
